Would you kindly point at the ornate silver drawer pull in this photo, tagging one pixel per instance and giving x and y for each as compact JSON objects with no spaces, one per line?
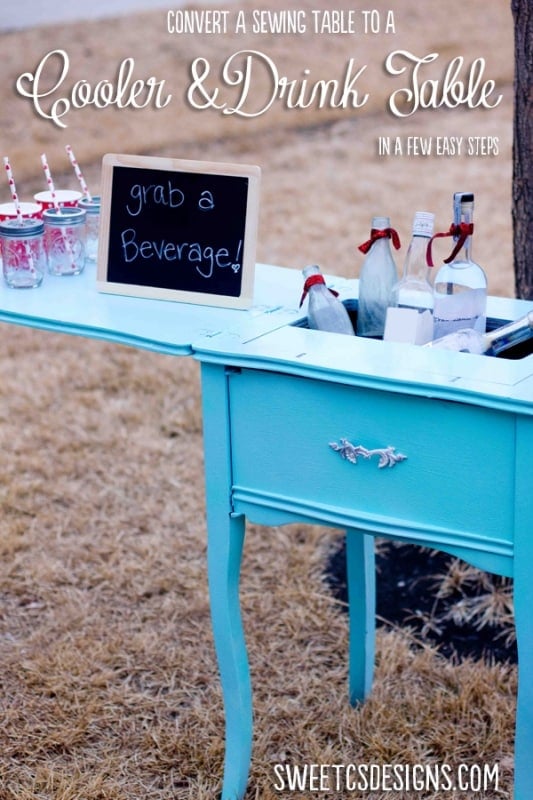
{"x":349,"y":451}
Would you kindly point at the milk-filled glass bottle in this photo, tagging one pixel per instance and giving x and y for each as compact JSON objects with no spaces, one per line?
{"x":410,"y":314}
{"x":378,"y":276}
{"x":460,"y":287}
{"x":325,"y":311}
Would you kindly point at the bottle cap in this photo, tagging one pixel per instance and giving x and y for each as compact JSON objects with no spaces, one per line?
{"x":423,"y":224}
{"x":461,"y":200}
{"x":464,"y":197}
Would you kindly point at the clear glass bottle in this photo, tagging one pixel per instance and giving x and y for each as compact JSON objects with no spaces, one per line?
{"x":378,"y":276}
{"x":410,"y":314}
{"x":492,"y":342}
{"x":460,"y":288}
{"x":325,"y":311}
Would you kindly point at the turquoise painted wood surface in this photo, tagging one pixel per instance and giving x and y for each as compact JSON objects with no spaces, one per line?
{"x":283,"y":427}
{"x":73,"y":305}
{"x":275,"y":396}
{"x":465,"y":424}
{"x":523,"y":605}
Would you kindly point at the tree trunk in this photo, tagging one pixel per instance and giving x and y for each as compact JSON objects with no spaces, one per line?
{"x":523,"y":149}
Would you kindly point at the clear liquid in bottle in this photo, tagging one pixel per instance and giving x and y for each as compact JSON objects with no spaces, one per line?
{"x":460,"y":289}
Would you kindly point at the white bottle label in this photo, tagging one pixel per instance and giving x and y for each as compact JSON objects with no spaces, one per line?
{"x":408,"y":325}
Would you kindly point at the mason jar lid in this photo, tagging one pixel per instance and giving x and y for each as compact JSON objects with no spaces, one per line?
{"x":91,"y":206}
{"x":20,"y":228}
{"x":67,"y":215}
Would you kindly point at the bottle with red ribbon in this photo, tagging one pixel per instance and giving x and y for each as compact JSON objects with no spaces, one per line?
{"x":377,"y":278}
{"x":325,"y":311}
{"x":460,"y":285}
{"x":410,"y":314}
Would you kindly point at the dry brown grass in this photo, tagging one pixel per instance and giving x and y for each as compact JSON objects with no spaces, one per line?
{"x":108,"y":682}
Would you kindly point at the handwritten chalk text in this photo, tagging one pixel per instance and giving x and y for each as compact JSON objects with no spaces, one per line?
{"x":205,"y":258}
{"x":164,"y":194}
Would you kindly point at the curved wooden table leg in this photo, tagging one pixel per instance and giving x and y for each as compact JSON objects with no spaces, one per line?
{"x":523,"y":610}
{"x":361,"y":582}
{"x":523,"y":773}
{"x":225,"y":538}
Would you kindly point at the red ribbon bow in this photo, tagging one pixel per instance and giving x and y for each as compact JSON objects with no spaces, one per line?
{"x":312,"y":280}
{"x":462,"y":231}
{"x":384,"y":233}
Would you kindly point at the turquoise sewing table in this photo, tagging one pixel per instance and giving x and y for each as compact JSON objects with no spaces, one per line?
{"x":425,"y":446}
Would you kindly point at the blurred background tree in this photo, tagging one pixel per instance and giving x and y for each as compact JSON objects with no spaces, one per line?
{"x":523,"y":148}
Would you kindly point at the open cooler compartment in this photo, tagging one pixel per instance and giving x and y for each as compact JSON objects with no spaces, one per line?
{"x":514,"y":353}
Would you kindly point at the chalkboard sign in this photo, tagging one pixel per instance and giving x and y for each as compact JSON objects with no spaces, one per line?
{"x":178,"y":230}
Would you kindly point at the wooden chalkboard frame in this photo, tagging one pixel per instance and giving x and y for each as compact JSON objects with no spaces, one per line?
{"x":252,"y":174}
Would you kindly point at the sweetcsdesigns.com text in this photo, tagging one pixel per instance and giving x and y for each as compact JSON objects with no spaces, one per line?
{"x":248,"y":82}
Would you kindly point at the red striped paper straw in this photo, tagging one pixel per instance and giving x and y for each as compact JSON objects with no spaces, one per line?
{"x":57,"y":206}
{"x":50,"y":183}
{"x":13,"y":189}
{"x":77,"y":170}
{"x":16,"y":202}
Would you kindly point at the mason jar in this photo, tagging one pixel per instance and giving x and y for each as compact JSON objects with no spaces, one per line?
{"x":23,"y":256}
{"x":92,"y":225}
{"x":64,"y":240}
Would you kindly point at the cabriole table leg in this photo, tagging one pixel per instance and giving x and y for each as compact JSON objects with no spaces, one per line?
{"x":361,"y":583}
{"x":225,"y":539}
